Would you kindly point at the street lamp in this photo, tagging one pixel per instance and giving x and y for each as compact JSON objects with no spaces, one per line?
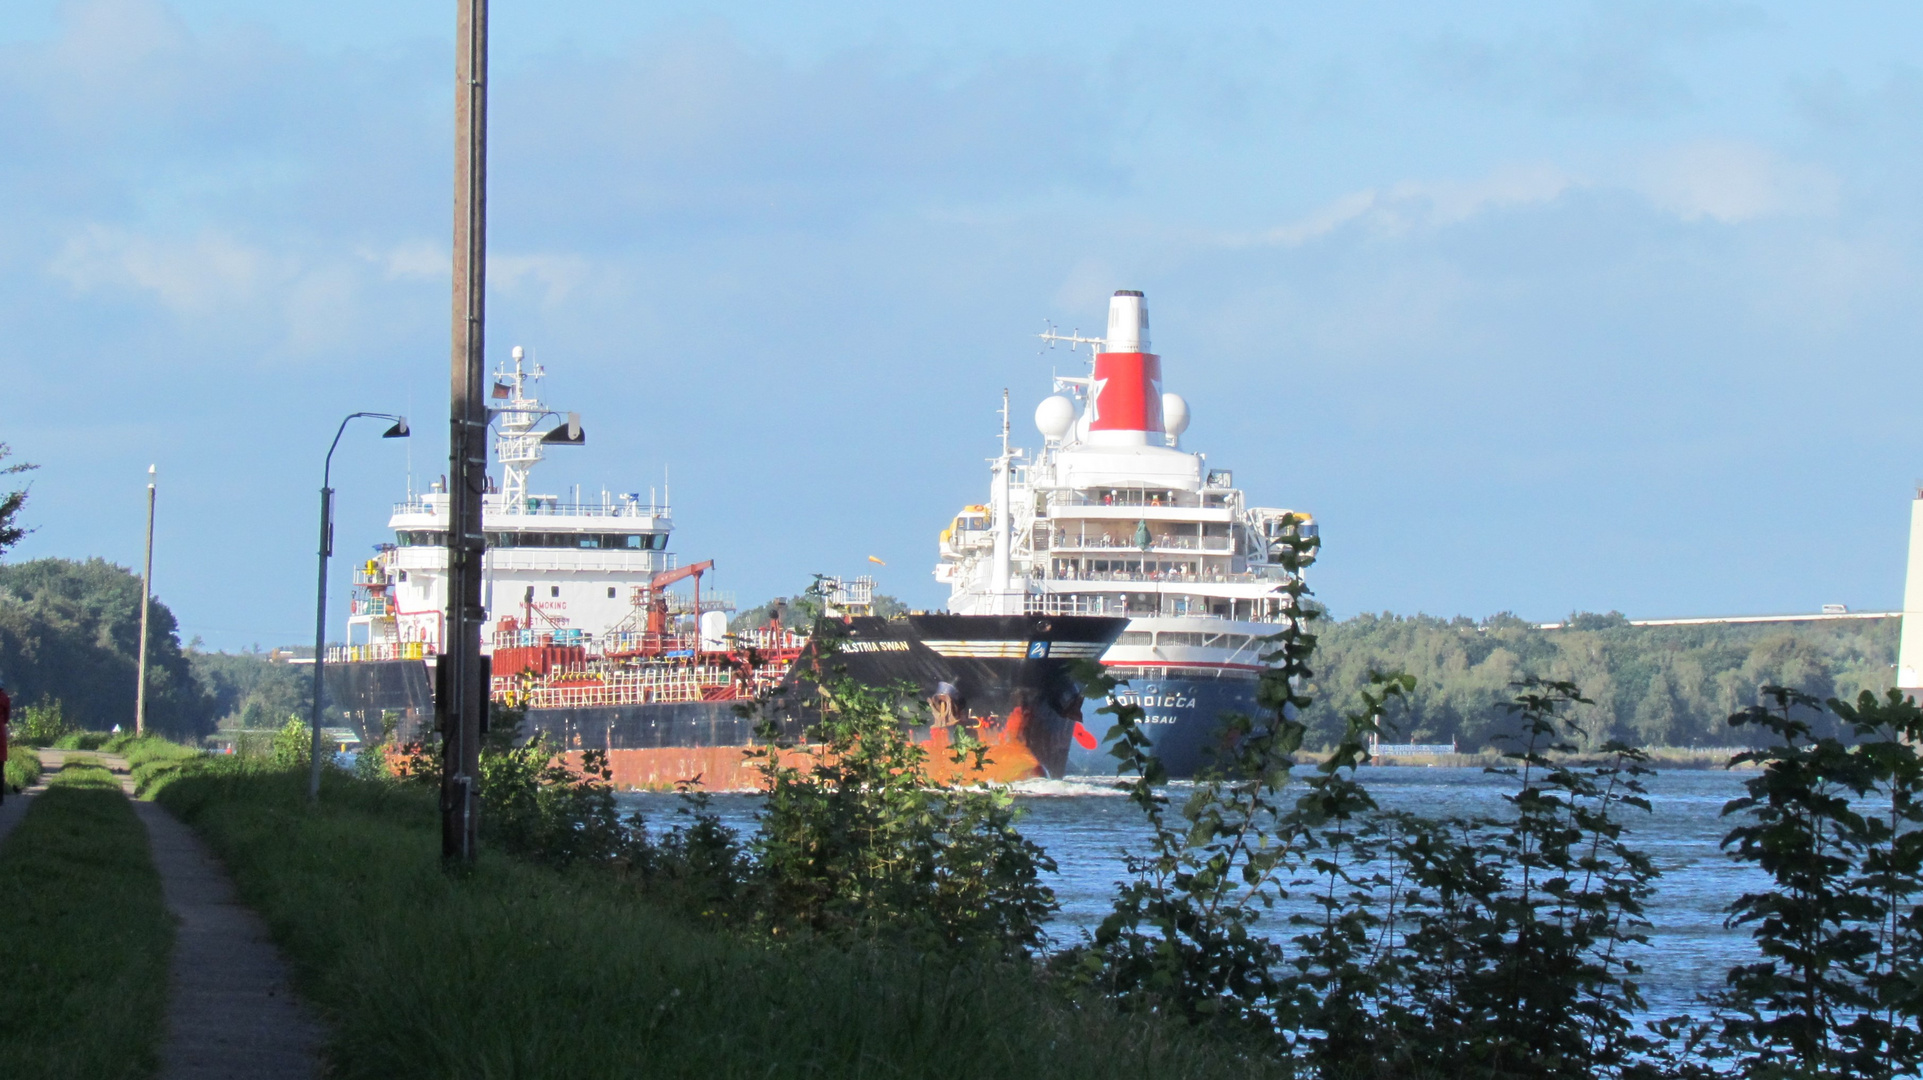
{"x":398,"y":431}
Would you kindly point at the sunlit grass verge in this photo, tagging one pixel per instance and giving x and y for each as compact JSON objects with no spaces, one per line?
{"x":84,"y":936}
{"x":517,"y":970}
{"x":23,"y":767}
{"x":151,"y":758}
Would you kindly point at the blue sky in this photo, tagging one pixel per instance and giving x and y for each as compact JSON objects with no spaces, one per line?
{"x":1537,"y":306}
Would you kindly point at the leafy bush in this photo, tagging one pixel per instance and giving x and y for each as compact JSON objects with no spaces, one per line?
{"x":1839,"y":828}
{"x":857,"y":839}
{"x":1499,"y":945}
{"x":534,"y":805}
{"x":42,"y":724}
{"x":293,"y":744}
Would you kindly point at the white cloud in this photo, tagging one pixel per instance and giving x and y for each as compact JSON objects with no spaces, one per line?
{"x":552,"y":276}
{"x":414,"y":260}
{"x":1731,"y":182}
{"x":191,"y":276}
{"x":1720,"y":180}
{"x":1413,"y":204}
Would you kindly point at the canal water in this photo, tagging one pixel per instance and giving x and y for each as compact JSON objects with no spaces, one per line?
{"x":1086,"y":827}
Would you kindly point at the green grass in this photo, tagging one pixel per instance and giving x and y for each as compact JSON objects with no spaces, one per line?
{"x":82,"y":740}
{"x":23,"y":767}
{"x":84,"y":936}
{"x":151,"y":759}
{"x":516,"y":970}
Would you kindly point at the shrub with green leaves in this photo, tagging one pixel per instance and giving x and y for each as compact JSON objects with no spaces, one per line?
{"x":293,"y":744}
{"x":858,"y":840}
{"x":1838,"y":826}
{"x":1499,"y":946}
{"x":42,"y":723}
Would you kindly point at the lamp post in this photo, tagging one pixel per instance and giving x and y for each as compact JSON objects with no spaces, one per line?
{"x":398,"y":431}
{"x":146,"y":602}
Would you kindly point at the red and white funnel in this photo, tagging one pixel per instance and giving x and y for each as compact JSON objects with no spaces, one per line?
{"x":1125,"y":400}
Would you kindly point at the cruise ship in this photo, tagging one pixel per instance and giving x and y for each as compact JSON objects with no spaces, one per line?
{"x":1114,"y":516}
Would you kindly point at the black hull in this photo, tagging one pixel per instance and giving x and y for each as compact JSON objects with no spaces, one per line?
{"x":1007,"y":679}
{"x":364,"y":690}
{"x":1182,"y":718}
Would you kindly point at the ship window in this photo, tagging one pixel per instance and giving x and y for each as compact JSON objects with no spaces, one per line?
{"x":577,"y":541}
{"x":1177,"y":637}
{"x":403,"y":575}
{"x":554,"y":590}
{"x":1135,"y":637}
{"x":610,"y":592}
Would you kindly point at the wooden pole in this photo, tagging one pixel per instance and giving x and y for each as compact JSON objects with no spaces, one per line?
{"x":146,"y":601}
{"x":461,"y":705}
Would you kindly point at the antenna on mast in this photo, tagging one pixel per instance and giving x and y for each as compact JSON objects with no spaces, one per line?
{"x":1074,"y":339}
{"x":1004,"y":421}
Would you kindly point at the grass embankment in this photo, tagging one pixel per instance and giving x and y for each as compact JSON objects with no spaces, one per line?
{"x":151,"y":759}
{"x":23,"y":768}
{"x":515,"y":969}
{"x":84,"y":936}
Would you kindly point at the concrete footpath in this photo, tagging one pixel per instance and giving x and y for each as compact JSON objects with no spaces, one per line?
{"x":231,"y":1009}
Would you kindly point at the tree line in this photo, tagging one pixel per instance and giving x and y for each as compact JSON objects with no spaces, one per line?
{"x":70,"y":635}
{"x":1647,"y":685}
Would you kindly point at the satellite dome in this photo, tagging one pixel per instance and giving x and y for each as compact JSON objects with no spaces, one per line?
{"x":1175,"y":414}
{"x":1055,"y":416}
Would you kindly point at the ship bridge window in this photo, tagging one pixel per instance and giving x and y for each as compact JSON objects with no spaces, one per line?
{"x":1135,"y":637}
{"x":422,"y":538}
{"x":1178,"y":637}
{"x":577,"y":541}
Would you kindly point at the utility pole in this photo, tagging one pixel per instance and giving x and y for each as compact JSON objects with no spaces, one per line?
{"x":146,"y":601}
{"x":461,"y":699}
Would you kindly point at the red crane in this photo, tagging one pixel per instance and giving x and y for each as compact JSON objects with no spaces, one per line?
{"x":657,"y":600}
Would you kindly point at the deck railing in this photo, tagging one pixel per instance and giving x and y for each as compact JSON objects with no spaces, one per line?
{"x":383,"y":650}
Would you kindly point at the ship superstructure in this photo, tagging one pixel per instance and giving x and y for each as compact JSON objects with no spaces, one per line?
{"x":1112,"y":516}
{"x":568,"y":570}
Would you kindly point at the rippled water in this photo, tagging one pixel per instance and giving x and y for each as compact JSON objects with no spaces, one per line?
{"x":1086,"y":828}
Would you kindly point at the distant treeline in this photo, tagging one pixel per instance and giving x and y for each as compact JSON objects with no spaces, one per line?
{"x":1652,"y":685}
{"x":70,"y":633}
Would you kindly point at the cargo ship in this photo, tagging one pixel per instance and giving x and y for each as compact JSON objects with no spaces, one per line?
{"x":607,"y":643}
{"x":1114,"y":517}
{"x":1001,"y":682}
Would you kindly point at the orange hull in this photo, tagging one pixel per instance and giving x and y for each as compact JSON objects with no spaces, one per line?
{"x":729,"y":768}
